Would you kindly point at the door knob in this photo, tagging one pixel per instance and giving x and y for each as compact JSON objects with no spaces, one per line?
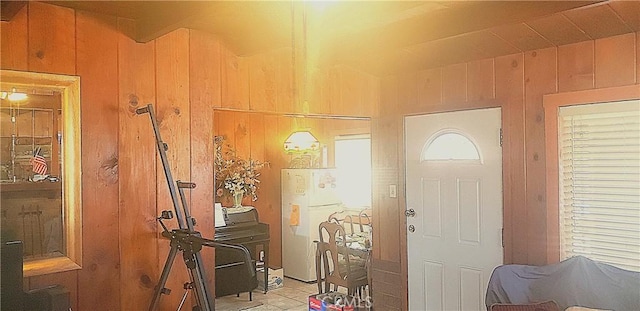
{"x":412,"y":228}
{"x":410,"y":212}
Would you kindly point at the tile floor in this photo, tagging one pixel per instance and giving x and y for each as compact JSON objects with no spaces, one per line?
{"x":291,"y":297}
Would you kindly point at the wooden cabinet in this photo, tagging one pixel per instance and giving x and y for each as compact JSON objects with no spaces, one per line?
{"x":32,"y":212}
{"x":22,"y":131}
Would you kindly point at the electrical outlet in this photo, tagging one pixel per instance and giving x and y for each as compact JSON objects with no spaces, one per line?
{"x":393,"y":191}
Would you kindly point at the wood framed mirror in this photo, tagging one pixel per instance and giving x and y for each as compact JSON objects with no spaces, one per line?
{"x":40,"y":169}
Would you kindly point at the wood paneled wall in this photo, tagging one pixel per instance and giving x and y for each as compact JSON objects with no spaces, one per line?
{"x":516,"y":83}
{"x":186,"y":75}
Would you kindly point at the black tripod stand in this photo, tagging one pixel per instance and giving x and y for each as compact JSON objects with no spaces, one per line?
{"x":185,"y":238}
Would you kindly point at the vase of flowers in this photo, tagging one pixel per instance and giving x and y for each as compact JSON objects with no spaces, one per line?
{"x":235,"y":177}
{"x":237,"y":199}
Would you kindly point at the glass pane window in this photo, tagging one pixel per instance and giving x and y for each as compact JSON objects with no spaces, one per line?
{"x":447,"y":146}
{"x":353,"y":164}
{"x":599,"y":182}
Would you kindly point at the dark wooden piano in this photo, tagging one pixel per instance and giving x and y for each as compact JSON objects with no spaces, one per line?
{"x":243,"y":228}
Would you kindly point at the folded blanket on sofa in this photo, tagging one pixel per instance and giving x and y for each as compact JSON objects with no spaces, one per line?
{"x":577,"y":281}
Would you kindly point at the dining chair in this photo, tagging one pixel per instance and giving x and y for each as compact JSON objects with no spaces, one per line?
{"x":336,"y":217}
{"x":364,"y":218}
{"x":352,"y":221}
{"x":344,"y":219}
{"x":340,"y":267}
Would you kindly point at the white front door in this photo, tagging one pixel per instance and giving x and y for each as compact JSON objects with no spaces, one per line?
{"x":454,"y":185}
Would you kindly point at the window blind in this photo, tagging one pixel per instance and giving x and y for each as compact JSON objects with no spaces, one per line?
{"x":599,"y":150}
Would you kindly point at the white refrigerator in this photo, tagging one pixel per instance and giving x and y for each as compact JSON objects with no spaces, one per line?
{"x":308,"y":198}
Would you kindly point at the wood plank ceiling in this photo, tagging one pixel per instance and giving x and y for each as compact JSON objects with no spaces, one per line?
{"x":379,"y":37}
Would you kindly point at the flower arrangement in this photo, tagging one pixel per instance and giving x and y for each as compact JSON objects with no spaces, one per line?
{"x":235,"y":177}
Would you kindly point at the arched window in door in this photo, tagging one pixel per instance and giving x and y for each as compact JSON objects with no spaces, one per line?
{"x":450,"y":145}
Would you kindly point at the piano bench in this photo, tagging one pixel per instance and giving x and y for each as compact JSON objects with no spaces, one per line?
{"x":232,"y":276}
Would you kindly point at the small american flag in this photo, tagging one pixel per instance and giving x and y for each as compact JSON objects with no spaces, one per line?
{"x":38,"y":162}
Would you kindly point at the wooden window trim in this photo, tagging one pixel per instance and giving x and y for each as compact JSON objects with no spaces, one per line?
{"x":552,"y":104}
{"x":69,"y":88}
